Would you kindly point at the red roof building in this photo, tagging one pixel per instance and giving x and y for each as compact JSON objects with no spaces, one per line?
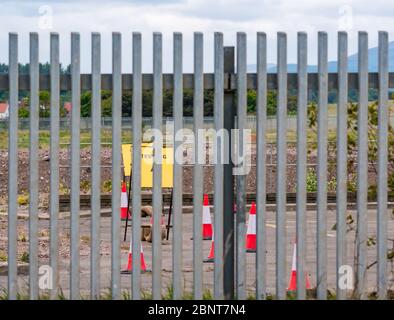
{"x":4,"y":110}
{"x":67,"y":106}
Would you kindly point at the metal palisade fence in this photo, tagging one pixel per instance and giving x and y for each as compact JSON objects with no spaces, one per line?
{"x":230,"y":98}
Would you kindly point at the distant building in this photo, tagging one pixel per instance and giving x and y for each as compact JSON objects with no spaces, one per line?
{"x":67,"y":107}
{"x":4,"y":110}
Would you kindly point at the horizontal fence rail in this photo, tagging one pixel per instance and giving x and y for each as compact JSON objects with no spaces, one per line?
{"x":232,"y":225}
{"x":229,"y":81}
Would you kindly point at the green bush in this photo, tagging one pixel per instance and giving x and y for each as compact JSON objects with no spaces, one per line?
{"x":311,"y":181}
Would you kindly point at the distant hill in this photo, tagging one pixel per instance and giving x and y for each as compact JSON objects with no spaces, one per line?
{"x":332,"y":65}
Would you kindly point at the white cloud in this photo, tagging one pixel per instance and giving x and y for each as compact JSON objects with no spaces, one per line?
{"x":228,"y":16}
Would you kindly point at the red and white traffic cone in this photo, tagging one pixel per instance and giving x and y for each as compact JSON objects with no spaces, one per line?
{"x":251,"y":231}
{"x":293,"y":276}
{"x":211,"y":255}
{"x":206,"y":220}
{"x":129,"y":267}
{"x":124,"y":203}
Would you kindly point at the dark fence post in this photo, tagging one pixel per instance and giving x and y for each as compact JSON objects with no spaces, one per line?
{"x":228,"y":181}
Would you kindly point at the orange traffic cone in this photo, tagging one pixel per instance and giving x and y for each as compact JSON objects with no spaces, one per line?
{"x":129,"y":267}
{"x":293,"y":276}
{"x":251,"y":231}
{"x":211,"y":255}
{"x":206,"y":220}
{"x":124,"y":203}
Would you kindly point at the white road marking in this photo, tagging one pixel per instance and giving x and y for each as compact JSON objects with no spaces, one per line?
{"x":272,"y":225}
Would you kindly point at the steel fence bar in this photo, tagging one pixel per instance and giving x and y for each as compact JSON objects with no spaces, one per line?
{"x":178,"y":153}
{"x":362,"y":167}
{"x":261,"y":118}
{"x":199,"y":159}
{"x":382,"y":166}
{"x":241,"y":177}
{"x":341,"y":191}
{"x":229,"y":233}
{"x":116,"y":161}
{"x":322,"y":142}
{"x":136,"y":175}
{"x":302,"y":97}
{"x":54,"y":162}
{"x":281,"y":115}
{"x":96,"y":162}
{"x":218,"y":175}
{"x":13,"y":167}
{"x":75,"y":165}
{"x":33,"y":167}
{"x":157,"y":168}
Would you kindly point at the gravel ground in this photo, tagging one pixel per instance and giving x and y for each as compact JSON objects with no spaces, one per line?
{"x":44,"y":164}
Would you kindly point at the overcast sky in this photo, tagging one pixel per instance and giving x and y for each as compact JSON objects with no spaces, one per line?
{"x":187,"y":16}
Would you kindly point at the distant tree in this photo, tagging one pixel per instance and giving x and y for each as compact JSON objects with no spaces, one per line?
{"x":66,"y":70}
{"x":45,"y":68}
{"x":292,"y":105}
{"x":3,"y":95}
{"x":3,"y":68}
{"x":271,"y":103}
{"x":127,"y":104}
{"x":23,"y":68}
{"x":251,"y":101}
{"x":147,"y":102}
{"x":45,"y":101}
{"x":106,"y":103}
{"x":106,"y":108}
{"x":62,"y":111}
{"x":23,"y":112}
{"x":168,"y":103}
{"x":86,"y":104}
{"x":188,"y":102}
{"x":208,"y":103}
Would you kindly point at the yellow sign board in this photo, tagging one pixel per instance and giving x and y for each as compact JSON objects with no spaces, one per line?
{"x":147,"y":164}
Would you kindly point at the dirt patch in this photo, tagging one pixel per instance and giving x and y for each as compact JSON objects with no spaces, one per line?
{"x":44,"y":240}
{"x":64,"y":171}
{"x":106,"y":173}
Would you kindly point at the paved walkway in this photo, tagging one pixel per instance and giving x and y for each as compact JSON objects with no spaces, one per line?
{"x":208,"y":267}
